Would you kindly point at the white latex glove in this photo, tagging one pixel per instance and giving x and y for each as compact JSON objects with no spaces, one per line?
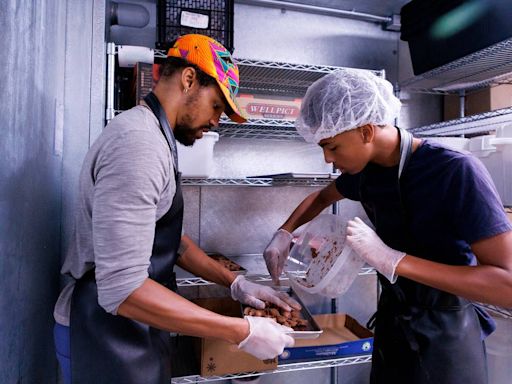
{"x":267,"y":339}
{"x":372,"y":249}
{"x":276,"y":253}
{"x":253,"y":294}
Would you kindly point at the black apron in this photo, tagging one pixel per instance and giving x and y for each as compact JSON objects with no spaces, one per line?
{"x":422,"y":335}
{"x":108,"y":349}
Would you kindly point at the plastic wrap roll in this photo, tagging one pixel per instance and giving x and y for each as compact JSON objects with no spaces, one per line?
{"x":128,"y":55}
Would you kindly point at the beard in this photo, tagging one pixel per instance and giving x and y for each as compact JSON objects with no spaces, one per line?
{"x":184,"y":132}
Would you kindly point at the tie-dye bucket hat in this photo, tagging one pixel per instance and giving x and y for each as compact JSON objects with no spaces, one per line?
{"x":216,"y":61}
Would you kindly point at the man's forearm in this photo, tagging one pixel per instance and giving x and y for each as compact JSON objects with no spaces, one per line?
{"x":155,"y":305}
{"x":195,"y":261}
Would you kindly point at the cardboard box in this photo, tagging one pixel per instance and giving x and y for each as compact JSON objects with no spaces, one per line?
{"x":483,"y":100}
{"x":219,"y":357}
{"x":269,"y":107}
{"x":342,"y":336}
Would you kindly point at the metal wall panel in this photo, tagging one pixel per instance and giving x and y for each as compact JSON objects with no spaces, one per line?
{"x":84,"y":111}
{"x":237,"y":220}
{"x":51,"y":108}
{"x":30,"y":186}
{"x":418,"y":109}
{"x":297,"y":37}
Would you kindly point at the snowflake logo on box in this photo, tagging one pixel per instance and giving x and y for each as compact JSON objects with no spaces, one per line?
{"x":366,"y":346}
{"x":211,"y":367}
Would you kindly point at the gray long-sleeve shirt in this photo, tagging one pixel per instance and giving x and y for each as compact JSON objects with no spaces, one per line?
{"x":126,"y":184}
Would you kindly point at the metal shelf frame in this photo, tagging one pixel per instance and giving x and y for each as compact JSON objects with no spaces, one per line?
{"x":251,"y":182}
{"x":257,"y":182}
{"x":480,"y":123}
{"x":256,"y":76}
{"x":487,"y":67}
{"x":273,"y":129}
{"x":261,"y":278}
{"x":291,"y":367}
{"x":275,"y":77}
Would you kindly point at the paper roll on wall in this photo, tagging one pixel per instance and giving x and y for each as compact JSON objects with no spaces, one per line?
{"x":128,"y":55}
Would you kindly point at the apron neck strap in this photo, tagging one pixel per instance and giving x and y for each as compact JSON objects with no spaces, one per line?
{"x":405,"y":150}
{"x":153,"y":103}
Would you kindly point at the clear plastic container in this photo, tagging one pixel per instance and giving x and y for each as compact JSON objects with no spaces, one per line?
{"x":330,"y":266}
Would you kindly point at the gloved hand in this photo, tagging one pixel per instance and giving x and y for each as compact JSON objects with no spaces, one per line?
{"x":372,"y":249}
{"x":267,"y":339}
{"x":253,"y":294}
{"x":276,"y":253}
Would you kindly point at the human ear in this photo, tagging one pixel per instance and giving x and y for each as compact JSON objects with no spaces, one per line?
{"x":188,"y":76}
{"x":367,"y":133}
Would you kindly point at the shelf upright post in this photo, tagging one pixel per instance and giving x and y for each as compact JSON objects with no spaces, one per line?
{"x":111,"y":51}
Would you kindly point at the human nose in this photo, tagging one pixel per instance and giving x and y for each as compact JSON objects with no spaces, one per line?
{"x":328,"y":157}
{"x":214,"y":121}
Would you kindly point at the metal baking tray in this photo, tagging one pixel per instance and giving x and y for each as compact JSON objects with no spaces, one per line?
{"x":237,"y":268}
{"x":313,"y":330}
{"x":296,"y":175}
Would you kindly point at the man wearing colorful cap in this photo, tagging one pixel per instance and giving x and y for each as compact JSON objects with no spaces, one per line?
{"x":115,"y":316}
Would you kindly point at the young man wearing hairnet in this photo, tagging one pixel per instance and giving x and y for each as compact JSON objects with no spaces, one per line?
{"x":442,"y":240}
{"x":115,"y":315}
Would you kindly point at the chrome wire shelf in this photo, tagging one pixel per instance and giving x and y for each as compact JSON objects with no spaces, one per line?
{"x":487,"y":67}
{"x":258,"y":182}
{"x":281,"y":78}
{"x":193,"y":281}
{"x":276,"y":78}
{"x":253,"y":182}
{"x":480,"y":123}
{"x":282,"y":368}
{"x":273,"y":129}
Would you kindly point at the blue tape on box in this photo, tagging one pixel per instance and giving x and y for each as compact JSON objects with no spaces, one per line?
{"x":350,"y":348}
{"x":342,"y":336}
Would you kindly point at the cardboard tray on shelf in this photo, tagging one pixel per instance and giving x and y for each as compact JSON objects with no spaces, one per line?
{"x":233,"y":266}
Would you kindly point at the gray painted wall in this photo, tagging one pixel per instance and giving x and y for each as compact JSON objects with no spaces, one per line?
{"x":51,"y":106}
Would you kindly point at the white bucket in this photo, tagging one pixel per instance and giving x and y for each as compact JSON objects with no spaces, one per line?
{"x":197,"y":160}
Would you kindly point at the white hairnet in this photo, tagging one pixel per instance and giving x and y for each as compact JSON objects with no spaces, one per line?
{"x":344,"y":100}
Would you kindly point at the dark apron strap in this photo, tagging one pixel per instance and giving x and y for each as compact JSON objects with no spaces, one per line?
{"x":153,"y":103}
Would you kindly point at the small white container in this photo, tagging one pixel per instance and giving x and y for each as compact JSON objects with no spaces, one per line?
{"x":197,"y":160}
